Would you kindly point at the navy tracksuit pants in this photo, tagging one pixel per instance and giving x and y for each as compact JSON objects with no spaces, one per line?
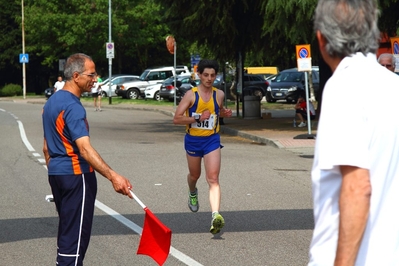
{"x":74,"y":197}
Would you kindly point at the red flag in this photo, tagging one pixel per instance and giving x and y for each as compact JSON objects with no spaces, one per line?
{"x":155,"y":238}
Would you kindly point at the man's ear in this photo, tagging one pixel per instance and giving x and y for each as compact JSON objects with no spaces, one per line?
{"x":322,"y":41}
{"x":75,"y":75}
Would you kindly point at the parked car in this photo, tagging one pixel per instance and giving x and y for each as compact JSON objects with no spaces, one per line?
{"x":48,"y":92}
{"x":115,"y":81}
{"x":150,"y":76}
{"x":183,"y":83}
{"x":152,"y":92}
{"x":253,"y":85}
{"x":271,"y":78}
{"x":289,"y":84}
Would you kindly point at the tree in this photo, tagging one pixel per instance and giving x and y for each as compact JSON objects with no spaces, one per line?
{"x":82,"y":26}
{"x":10,"y":42}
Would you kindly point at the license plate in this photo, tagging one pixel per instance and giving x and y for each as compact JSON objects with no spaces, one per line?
{"x":279,"y":94}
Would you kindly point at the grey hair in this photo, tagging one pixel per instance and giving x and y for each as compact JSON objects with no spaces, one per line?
{"x":349,"y":26}
{"x":75,"y":63}
{"x":390,"y":56}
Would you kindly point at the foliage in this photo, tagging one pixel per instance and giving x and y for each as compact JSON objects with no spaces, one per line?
{"x":10,"y":41}
{"x":264,"y":32}
{"x":389,"y":17}
{"x":11,"y":90}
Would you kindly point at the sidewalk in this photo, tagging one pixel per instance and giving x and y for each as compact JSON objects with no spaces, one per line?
{"x":274,"y":130}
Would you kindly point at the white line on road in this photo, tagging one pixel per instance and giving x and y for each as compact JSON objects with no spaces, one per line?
{"x":23,"y":136}
{"x":174,"y":252}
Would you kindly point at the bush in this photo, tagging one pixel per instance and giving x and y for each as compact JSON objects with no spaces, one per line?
{"x":11,"y":90}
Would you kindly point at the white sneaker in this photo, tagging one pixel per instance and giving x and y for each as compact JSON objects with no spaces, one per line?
{"x":302,"y":124}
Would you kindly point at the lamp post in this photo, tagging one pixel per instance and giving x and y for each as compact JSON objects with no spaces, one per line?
{"x":23,"y":51}
{"x":109,"y":58}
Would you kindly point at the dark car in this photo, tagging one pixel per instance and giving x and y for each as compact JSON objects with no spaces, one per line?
{"x":289,"y":84}
{"x":254,"y":85}
{"x":183,"y":84}
{"x":48,"y":92}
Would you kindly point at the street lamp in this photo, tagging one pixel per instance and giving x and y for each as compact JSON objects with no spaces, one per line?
{"x":23,"y":51}
{"x":109,"y":58}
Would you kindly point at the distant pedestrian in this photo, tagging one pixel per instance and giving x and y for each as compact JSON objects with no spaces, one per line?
{"x":59,"y":84}
{"x":200,"y":110}
{"x":301,"y":111}
{"x":96,"y":93}
{"x":388,"y":61}
{"x":355,"y":171}
{"x":71,"y":161}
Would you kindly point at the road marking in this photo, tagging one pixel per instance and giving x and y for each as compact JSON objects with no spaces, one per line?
{"x":122,"y":219}
{"x":23,"y":136}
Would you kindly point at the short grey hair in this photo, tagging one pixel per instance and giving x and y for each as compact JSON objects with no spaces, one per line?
{"x":390,"y":56}
{"x":349,"y":26}
{"x":75,"y":63}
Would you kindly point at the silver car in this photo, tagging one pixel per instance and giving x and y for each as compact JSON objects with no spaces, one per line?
{"x":115,"y":81}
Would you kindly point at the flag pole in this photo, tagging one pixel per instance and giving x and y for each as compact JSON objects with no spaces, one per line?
{"x":138,"y":200}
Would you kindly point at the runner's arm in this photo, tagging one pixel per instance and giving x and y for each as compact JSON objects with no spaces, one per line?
{"x":180,"y":117}
{"x":224,"y":112}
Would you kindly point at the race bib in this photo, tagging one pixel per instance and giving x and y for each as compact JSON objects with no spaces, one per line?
{"x":207,"y":124}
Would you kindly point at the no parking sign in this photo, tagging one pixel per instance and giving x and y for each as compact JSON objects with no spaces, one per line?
{"x":303,"y":56}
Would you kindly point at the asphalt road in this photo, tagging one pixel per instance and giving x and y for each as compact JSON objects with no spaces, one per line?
{"x":266,"y":195}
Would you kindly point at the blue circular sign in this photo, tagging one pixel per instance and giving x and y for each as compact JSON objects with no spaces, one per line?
{"x":395,"y":47}
{"x":303,"y":53}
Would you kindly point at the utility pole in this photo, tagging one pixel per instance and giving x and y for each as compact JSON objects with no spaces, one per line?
{"x":23,"y":52}
{"x":109,"y":57}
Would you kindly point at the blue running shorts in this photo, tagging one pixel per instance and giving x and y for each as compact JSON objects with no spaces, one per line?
{"x":200,"y":146}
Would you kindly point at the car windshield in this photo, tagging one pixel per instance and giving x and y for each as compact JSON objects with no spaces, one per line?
{"x":144,"y":75}
{"x":288,"y":77}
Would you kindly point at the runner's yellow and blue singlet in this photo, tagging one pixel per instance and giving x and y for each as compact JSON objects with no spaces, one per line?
{"x":207,"y":127}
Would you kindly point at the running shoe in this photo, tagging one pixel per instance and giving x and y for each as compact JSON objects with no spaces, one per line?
{"x":193,"y":201}
{"x":216,"y":224}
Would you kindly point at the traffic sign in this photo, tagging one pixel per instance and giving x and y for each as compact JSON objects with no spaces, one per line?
{"x":61,"y":64}
{"x":110,"y":50}
{"x":24,"y":58}
{"x":395,"y":47}
{"x":303,"y":51}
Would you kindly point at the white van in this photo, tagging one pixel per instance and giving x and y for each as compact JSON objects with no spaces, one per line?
{"x":150,"y":76}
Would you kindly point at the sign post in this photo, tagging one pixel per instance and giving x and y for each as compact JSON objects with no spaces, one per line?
{"x":304,"y":62}
{"x":23,"y":58}
{"x":110,"y":50}
{"x":171,"y":46}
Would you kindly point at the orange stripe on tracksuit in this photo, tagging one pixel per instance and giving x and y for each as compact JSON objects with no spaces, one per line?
{"x":60,"y":125}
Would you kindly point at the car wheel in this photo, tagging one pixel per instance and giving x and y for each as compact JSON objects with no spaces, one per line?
{"x":103,"y":94}
{"x":133,"y":94}
{"x":156,"y":96}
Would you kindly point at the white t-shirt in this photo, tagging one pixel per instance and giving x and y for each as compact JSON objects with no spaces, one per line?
{"x":59,"y":85}
{"x":358,"y":126}
{"x":94,"y":89}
